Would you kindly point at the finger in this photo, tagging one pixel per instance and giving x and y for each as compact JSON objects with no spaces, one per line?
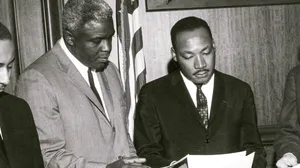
{"x":289,"y":160}
{"x":293,"y":161}
{"x":134,"y":160}
{"x":281,"y":164}
{"x":137,"y":166}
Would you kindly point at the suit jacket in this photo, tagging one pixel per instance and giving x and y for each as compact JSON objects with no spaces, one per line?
{"x":167,"y":126}
{"x":72,"y":126}
{"x":288,"y":135}
{"x":21,"y":144}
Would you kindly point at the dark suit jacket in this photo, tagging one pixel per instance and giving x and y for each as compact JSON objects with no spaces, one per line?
{"x":22,"y":149}
{"x":167,"y":126}
{"x":288,"y":136}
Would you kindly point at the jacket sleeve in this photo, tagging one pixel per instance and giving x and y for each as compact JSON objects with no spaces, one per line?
{"x":251,"y":139}
{"x":34,"y":87}
{"x":147,"y":135}
{"x":288,"y":135}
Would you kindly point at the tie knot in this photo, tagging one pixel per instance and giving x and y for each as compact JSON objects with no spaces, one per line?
{"x":199,"y":86}
{"x":89,"y":70}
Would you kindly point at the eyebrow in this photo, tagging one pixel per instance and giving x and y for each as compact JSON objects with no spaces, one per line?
{"x":12,"y":60}
{"x":188,"y":52}
{"x":2,"y":64}
{"x":205,"y":48}
{"x":104,"y":36}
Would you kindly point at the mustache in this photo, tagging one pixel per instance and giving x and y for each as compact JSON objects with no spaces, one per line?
{"x":201,"y":70}
{"x":2,"y":86}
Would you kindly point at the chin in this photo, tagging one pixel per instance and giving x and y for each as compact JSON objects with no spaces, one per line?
{"x":201,"y":81}
{"x":102,"y":67}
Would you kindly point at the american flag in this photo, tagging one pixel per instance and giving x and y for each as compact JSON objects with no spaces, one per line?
{"x":130,"y":50}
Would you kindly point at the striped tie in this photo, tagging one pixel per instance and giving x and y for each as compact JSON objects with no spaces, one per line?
{"x":202,"y":106}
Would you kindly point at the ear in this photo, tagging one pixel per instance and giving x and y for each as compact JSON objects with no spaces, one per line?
{"x":69,"y":38}
{"x":173,"y":53}
{"x":213,"y":44}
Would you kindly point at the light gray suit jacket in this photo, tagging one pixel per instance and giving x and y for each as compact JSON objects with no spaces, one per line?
{"x":71,"y":124}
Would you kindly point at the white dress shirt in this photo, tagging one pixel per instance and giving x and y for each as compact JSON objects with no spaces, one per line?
{"x":207,"y":90}
{"x":1,"y":134}
{"x":84,"y":72}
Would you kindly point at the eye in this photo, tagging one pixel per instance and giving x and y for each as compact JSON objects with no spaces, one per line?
{"x":9,"y":67}
{"x":208,"y":52}
{"x":96,"y":40}
{"x":187,"y":56}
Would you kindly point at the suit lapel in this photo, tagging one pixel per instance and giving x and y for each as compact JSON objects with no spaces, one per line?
{"x":2,"y":152}
{"x":107,"y":96}
{"x":183,"y":97}
{"x":297,"y":83}
{"x":2,"y":126}
{"x":218,"y":102}
{"x":74,"y":76}
{"x":77,"y":79}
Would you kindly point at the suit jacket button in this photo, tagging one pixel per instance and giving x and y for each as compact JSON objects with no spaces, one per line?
{"x":206,"y":141}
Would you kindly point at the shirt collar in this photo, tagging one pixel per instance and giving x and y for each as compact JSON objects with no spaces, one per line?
{"x":73,"y":59}
{"x":79,"y":66}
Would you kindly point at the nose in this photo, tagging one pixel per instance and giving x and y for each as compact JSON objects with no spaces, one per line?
{"x":106,"y":45}
{"x":4,"y":76}
{"x":199,"y":62}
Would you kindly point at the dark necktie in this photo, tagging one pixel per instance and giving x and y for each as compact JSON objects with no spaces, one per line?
{"x":202,"y":106}
{"x":2,"y":145}
{"x":92,"y":85}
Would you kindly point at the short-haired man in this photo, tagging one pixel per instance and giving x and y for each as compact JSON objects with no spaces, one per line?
{"x":76,"y":96}
{"x":19,"y":143}
{"x":196,"y":109}
{"x":287,"y":144}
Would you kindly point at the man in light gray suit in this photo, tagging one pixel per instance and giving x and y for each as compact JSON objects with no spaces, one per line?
{"x":76,"y":95}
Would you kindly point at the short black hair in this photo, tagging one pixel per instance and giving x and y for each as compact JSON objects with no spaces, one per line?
{"x":188,"y":24}
{"x":4,"y":32}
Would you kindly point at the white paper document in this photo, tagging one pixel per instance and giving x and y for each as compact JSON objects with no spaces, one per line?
{"x":296,"y":166}
{"x":229,"y":160}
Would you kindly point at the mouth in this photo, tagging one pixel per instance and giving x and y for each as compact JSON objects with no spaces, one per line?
{"x":102,"y":60}
{"x":201,"y":74}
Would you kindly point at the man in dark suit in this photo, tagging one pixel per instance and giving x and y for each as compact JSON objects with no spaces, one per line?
{"x":196,"y":109}
{"x":19,"y":144}
{"x":287,"y":144}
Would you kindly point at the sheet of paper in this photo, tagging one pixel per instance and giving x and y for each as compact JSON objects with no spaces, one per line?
{"x":297,"y":166}
{"x":229,"y":160}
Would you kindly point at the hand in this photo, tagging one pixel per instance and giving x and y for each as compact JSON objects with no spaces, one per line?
{"x":128,"y":162}
{"x":287,"y":160}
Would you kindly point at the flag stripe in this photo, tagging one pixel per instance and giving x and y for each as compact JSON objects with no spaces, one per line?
{"x":132,"y":5}
{"x":137,"y":42}
{"x":139,"y":63}
{"x":140,"y":81}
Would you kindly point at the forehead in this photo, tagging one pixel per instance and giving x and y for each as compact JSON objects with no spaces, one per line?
{"x":6,"y":51}
{"x":103,"y":27}
{"x":199,"y":36}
